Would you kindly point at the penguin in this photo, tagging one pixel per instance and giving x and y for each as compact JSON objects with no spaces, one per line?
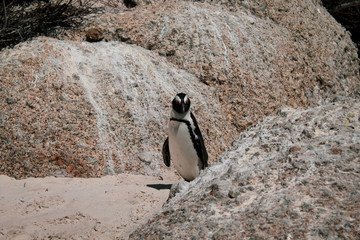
{"x":184,"y":145}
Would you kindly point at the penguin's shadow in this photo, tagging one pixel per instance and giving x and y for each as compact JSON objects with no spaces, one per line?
{"x":159,"y":186}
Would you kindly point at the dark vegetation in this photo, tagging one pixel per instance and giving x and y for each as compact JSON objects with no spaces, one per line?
{"x":23,"y":19}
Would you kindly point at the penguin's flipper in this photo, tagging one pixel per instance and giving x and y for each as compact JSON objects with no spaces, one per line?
{"x":203,"y":155}
{"x":166,"y":152}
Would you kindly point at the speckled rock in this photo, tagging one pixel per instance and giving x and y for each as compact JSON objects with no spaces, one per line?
{"x":259,"y":55}
{"x":295,"y":175}
{"x":68,"y":105}
{"x":94,"y":35}
{"x":88,"y":109}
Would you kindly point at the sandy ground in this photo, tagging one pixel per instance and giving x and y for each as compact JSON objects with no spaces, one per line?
{"x":110,"y":207}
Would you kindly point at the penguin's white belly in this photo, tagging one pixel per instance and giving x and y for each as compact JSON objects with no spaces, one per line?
{"x":182,"y":152}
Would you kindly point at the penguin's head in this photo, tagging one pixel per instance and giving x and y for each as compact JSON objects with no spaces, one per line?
{"x":181,"y":103}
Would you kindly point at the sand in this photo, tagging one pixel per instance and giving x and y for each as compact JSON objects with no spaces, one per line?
{"x":109,"y":207}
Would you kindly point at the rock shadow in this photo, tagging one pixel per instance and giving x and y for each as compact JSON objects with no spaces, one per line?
{"x":159,"y":186}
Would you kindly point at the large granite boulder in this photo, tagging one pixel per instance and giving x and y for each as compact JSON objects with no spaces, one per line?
{"x":76,"y":108}
{"x":88,"y":109}
{"x":295,"y":175}
{"x":259,"y":55}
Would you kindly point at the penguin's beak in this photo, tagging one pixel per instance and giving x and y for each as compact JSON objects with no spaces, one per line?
{"x":183,"y":107}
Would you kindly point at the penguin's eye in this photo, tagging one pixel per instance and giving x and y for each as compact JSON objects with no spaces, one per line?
{"x":186,"y":100}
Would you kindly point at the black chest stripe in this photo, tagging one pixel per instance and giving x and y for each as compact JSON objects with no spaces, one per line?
{"x":192,"y":135}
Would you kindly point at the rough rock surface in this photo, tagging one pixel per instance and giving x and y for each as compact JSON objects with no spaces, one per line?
{"x":260,"y":55}
{"x":295,"y":175}
{"x":85,"y":109}
{"x":74,"y":108}
{"x":94,"y":35}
